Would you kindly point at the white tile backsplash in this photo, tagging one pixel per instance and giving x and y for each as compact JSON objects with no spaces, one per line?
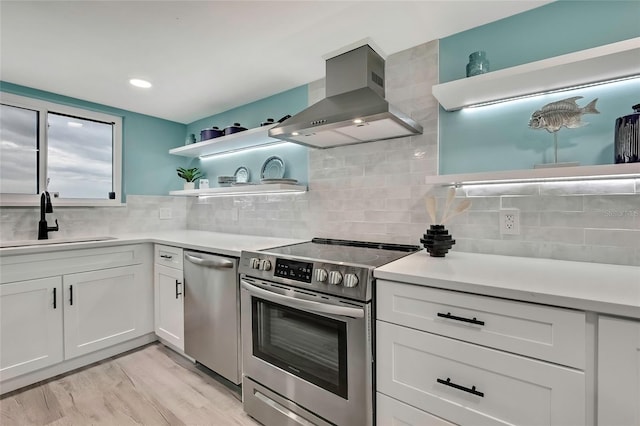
{"x":140,"y":214}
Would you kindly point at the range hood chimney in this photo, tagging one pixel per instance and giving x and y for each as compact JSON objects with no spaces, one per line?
{"x":354,"y":110}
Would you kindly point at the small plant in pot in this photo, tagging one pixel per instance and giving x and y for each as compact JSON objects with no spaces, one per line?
{"x":190,"y":176}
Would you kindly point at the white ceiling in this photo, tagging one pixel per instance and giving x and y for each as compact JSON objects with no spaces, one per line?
{"x":205,"y":57}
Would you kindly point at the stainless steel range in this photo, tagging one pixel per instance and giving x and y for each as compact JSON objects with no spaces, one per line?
{"x":307,"y":331}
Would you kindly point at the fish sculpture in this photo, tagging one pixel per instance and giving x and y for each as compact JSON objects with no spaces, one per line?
{"x":565,"y":113}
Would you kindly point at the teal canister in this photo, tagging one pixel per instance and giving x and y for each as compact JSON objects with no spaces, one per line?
{"x":478,"y":64}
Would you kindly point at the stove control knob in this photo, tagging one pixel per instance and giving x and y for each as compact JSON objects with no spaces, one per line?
{"x":335,"y":277}
{"x":320,"y":275}
{"x":254,"y":263}
{"x":265,"y":265}
{"x":350,"y":280}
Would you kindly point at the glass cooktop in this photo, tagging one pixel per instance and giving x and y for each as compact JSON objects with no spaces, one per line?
{"x":344,"y":251}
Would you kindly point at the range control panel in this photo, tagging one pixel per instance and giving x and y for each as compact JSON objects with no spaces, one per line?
{"x":294,"y":270}
{"x":332,"y":278}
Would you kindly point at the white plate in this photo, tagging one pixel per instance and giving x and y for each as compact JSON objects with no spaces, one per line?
{"x":279,"y":181}
{"x":242,"y":175}
{"x":273,"y":168}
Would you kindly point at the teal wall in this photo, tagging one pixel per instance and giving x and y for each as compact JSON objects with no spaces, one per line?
{"x":147,"y":167}
{"x":497,"y":137}
{"x":250,"y":116}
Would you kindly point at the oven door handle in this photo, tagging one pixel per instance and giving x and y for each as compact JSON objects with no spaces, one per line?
{"x":307,"y":305}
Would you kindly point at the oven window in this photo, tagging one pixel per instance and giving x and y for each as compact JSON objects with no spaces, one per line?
{"x":310,"y":346}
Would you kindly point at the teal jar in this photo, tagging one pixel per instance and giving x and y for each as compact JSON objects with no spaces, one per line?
{"x":478,"y":64}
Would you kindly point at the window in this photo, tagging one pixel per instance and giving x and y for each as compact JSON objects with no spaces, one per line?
{"x":75,"y":154}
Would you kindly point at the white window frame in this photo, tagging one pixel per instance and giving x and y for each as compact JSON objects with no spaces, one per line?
{"x":44,"y":107}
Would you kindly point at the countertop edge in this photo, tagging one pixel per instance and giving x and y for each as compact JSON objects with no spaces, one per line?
{"x":602,"y":288}
{"x":206,"y":241}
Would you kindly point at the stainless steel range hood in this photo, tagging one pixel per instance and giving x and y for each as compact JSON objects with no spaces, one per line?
{"x":354,"y":110}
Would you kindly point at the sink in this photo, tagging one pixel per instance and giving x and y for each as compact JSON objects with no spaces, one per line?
{"x":24,"y":243}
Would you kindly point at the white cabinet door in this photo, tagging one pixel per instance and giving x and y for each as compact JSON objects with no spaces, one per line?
{"x":101,"y":309}
{"x":618,"y":372}
{"x":169,"y":308}
{"x":30,"y":326}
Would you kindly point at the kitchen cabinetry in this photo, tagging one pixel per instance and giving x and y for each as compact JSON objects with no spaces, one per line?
{"x":618,"y":371}
{"x":101,"y":309}
{"x":169,"y":295}
{"x":30,"y":326}
{"x":68,"y":308}
{"x":471,"y":359}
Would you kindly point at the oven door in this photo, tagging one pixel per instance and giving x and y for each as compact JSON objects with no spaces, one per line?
{"x":312,"y":349}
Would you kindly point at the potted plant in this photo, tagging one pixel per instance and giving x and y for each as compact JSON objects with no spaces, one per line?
{"x":190,"y":176}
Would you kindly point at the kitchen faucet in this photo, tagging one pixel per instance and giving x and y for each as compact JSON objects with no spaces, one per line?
{"x":45,"y":207}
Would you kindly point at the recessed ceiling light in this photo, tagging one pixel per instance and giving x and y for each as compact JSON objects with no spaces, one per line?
{"x":140,"y":83}
{"x":358,"y":121}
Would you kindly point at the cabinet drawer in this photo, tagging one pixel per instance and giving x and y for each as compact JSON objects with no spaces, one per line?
{"x":168,"y":256}
{"x":390,"y":411}
{"x":481,"y":386}
{"x":31,"y":266}
{"x":543,"y":332}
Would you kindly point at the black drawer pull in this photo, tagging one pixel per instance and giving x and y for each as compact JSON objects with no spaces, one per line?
{"x":177,"y":293}
{"x":166,"y":256}
{"x":462,"y":388}
{"x":55,"y":299}
{"x":453,"y":317}
{"x":71,"y":295}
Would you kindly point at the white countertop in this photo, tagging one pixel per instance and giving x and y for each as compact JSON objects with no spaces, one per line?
{"x":215,"y":242}
{"x":597,"y":287}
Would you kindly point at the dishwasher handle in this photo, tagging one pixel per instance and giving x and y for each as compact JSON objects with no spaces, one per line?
{"x":209,"y":263}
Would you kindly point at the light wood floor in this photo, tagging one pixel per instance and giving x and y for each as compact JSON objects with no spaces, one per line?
{"x":149,"y":386}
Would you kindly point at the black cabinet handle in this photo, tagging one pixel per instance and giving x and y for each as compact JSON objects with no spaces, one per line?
{"x":166,"y":256}
{"x":473,"y":390}
{"x":453,"y":317}
{"x":71,"y":295}
{"x":177,"y":293}
{"x":55,"y":299}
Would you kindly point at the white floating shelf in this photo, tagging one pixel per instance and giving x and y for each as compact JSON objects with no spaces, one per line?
{"x":251,"y":138}
{"x":259,"y":189}
{"x":590,"y":66}
{"x":606,"y":171}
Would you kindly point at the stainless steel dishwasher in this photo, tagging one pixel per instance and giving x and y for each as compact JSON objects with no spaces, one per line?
{"x":212,"y":313}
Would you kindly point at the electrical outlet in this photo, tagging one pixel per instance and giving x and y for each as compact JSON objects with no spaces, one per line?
{"x":510,"y":222}
{"x":165,"y":213}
